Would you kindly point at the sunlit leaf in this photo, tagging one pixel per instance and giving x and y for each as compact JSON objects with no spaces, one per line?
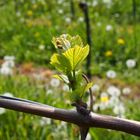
{"x":76,"y":55}
{"x":62,"y":77}
{"x":85,"y":88}
{"x":70,"y":59}
{"x":88,"y":86}
{"x":75,"y":40}
{"x":61,"y":63}
{"x":57,"y":77}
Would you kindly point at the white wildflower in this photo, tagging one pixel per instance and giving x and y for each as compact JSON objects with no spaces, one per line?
{"x":96,"y":14}
{"x":60,"y":11}
{"x":65,"y":87}
{"x":18,"y":13}
{"x":49,"y":91}
{"x":88,"y":137}
{"x":44,"y":121}
{"x":22,"y":20}
{"x":9,"y":58}
{"x":8,"y":94}
{"x":63,"y":124}
{"x":95,"y":3}
{"x":126,"y":91}
{"x":103,"y":105}
{"x":60,"y":1}
{"x":6,"y":67}
{"x":107,"y":1}
{"x":116,"y":15}
{"x":111,"y":74}
{"x":104,"y":94}
{"x":114,"y":91}
{"x":41,"y":47}
{"x":130,"y":63}
{"x":9,"y":61}
{"x":99,"y":24}
{"x":54,"y":82}
{"x":95,"y":88}
{"x":38,"y":76}
{"x":80,"y":19}
{"x":68,"y":102}
{"x":68,"y":20}
{"x":109,"y":27}
{"x":6,"y":71}
{"x":96,"y":107}
{"x":8,"y":64}
{"x":119,"y":109}
{"x":113,"y":101}
{"x":2,"y":111}
{"x":64,"y":36}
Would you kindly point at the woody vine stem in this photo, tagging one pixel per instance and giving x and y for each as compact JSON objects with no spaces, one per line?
{"x":71,"y":116}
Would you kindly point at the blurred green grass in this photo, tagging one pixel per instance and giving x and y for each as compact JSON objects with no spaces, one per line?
{"x":26,"y":25}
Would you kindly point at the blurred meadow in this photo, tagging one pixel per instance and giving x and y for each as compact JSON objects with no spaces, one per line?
{"x":26,"y":32}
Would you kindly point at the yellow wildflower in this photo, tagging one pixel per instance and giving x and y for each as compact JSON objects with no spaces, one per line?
{"x":108,"y":53}
{"x":34,"y":6}
{"x":29,"y":24}
{"x":104,"y":99}
{"x":49,"y":23}
{"x":37,"y":34}
{"x":130,"y":30}
{"x":29,"y":13}
{"x":120,"y":29}
{"x":121,"y":41}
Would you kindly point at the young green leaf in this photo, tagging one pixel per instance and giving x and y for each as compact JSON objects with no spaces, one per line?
{"x":61,"y":42}
{"x":61,"y":63}
{"x":76,"y":40}
{"x":88,"y":86}
{"x":76,"y":55}
{"x":62,"y":77}
{"x":71,"y":55}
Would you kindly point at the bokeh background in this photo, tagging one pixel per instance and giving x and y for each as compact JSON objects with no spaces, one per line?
{"x":26,"y":31}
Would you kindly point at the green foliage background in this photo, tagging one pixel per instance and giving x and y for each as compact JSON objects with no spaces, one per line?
{"x":25,"y":25}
